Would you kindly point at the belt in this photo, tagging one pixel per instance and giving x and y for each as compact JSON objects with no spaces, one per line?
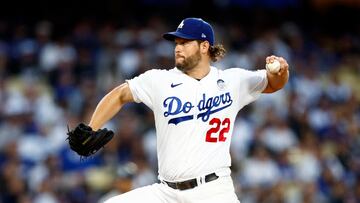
{"x":189,"y":184}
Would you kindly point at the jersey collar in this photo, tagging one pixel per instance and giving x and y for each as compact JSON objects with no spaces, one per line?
{"x":211,"y":73}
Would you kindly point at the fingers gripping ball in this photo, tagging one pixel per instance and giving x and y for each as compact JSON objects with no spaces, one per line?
{"x":273,"y":67}
{"x":86,"y":142}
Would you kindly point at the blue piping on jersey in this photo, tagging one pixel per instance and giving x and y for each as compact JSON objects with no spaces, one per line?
{"x":180,"y":119}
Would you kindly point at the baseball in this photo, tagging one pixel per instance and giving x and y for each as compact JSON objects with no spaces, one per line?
{"x":273,"y":67}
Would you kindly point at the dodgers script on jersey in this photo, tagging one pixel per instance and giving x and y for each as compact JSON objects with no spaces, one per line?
{"x":194,"y":119}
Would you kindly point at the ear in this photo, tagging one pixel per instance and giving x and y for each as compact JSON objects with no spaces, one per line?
{"x":204,"y":47}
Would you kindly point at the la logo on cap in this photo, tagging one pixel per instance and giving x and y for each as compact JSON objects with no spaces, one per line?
{"x":181,"y":24}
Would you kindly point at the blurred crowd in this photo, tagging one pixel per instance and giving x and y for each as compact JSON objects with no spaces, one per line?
{"x":298,"y":145}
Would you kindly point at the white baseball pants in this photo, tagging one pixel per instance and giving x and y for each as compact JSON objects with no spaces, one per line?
{"x":216,"y":191}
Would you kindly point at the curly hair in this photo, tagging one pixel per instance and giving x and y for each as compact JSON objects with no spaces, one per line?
{"x":217,"y":52}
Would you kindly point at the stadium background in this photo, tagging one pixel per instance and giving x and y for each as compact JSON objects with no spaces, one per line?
{"x":57,"y":59}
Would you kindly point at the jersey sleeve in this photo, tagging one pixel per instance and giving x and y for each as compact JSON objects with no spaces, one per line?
{"x":142,"y":88}
{"x":250,"y":83}
{"x":257,"y":81}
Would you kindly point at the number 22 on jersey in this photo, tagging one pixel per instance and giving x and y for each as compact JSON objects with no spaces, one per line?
{"x":218,"y":131}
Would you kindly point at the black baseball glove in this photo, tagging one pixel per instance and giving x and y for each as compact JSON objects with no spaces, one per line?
{"x":84,"y":141}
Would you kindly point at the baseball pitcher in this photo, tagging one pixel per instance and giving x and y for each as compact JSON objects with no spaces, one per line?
{"x":195,"y":105}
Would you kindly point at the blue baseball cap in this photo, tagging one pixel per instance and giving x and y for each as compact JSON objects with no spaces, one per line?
{"x":193,"y":29}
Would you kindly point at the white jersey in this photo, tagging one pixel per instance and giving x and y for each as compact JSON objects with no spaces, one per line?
{"x":194,"y":119}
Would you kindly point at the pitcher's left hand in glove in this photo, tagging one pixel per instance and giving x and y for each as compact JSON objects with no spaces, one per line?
{"x":86,"y":142}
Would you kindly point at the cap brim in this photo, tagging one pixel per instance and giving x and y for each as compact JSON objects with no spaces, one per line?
{"x":172,"y":35}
